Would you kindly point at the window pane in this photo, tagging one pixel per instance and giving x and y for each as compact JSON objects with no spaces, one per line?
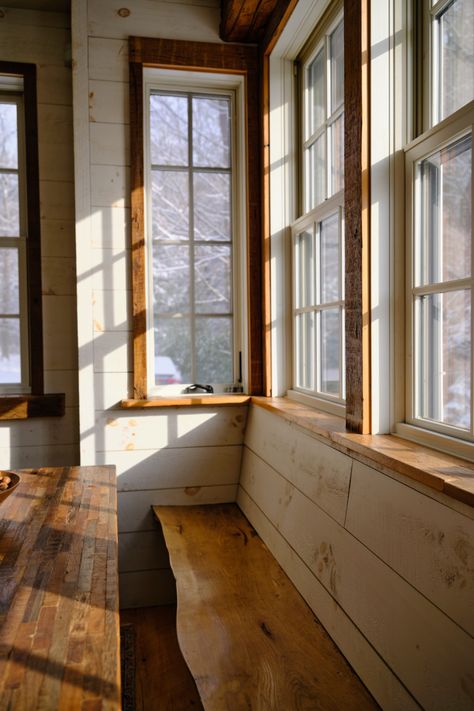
{"x":8,"y":136}
{"x":170,"y":204}
{"x":9,"y":282}
{"x":443,"y":357}
{"x":212,"y":273}
{"x":214,"y":350}
{"x":305,"y":270}
{"x":173,"y":341}
{"x":171,"y":278}
{"x":443,"y":207}
{"x":169,"y":129}
{"x":330,"y":339}
{"x":337,"y":66}
{"x":316,"y":101}
{"x":456,"y":50}
{"x":305,"y":350}
{"x":212,"y":214}
{"x":337,"y":155}
{"x":10,"y":359}
{"x":316,"y":173}
{"x":9,"y":206}
{"x":211,"y":132}
{"x":329,"y":235}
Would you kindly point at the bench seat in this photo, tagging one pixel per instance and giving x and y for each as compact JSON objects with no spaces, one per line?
{"x":248,"y":637}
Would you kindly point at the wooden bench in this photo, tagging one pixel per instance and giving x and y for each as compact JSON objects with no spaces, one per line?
{"x":248,"y":637}
{"x":59,"y":615}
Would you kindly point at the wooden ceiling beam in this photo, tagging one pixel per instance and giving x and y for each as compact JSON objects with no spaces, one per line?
{"x":245,"y":20}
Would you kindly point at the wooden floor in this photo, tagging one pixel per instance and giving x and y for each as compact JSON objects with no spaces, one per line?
{"x":163,"y":680}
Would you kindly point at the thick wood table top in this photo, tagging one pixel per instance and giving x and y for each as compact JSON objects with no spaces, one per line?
{"x":59,"y":615}
{"x":248,"y":637}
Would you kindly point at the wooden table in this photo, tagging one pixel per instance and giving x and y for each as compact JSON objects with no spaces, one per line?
{"x":248,"y":637}
{"x":59,"y":615}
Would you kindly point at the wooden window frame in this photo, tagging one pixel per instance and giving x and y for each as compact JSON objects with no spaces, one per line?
{"x":204,"y":57}
{"x":356,"y":201}
{"x":36,"y":403}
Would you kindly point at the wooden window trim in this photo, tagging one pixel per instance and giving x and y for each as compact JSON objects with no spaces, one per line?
{"x":356,"y":203}
{"x":33,"y":243}
{"x":195,"y":56}
{"x":36,"y":404}
{"x":357,"y":214}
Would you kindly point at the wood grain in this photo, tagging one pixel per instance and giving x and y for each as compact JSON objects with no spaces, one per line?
{"x":245,"y":20}
{"x":161,"y":672}
{"x":22,"y":407}
{"x":356,"y":215}
{"x":248,"y":637}
{"x":203,"y":56}
{"x":59,"y":624}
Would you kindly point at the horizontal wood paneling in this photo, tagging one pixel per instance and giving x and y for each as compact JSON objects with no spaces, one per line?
{"x":174,"y":428}
{"x":110,"y":144}
{"x":363,"y":658}
{"x":429,"y":545}
{"x":134,"y":512}
{"x":400,"y":623}
{"x":146,"y":588}
{"x":112,"y":310}
{"x":106,"y":388}
{"x":108,"y":59}
{"x":47,"y":455}
{"x":110,"y":269}
{"x":59,"y":276}
{"x":54,"y":430}
{"x":57,"y":238}
{"x":319,"y":471}
{"x":171,"y":468}
{"x":56,"y":200}
{"x":110,"y":227}
{"x":196,"y":22}
{"x":110,"y":186}
{"x":142,"y":550}
{"x":112,"y":352}
{"x":59,"y":333}
{"x":108,"y":101}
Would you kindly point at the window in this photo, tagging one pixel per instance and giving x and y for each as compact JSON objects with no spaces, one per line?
{"x":318,"y":235}
{"x":196,"y":217}
{"x":13,"y":303}
{"x":440,"y":230}
{"x":192,"y":234}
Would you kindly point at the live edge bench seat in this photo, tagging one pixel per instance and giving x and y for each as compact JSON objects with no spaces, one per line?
{"x":248,"y":637}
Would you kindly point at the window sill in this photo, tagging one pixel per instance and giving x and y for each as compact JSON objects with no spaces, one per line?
{"x":190,"y":401}
{"x":444,"y":473}
{"x":24,"y":407}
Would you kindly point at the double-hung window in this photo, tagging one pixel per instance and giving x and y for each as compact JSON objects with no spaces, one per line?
{"x":14,"y":358}
{"x":318,"y":235}
{"x":439,"y":193}
{"x":193,"y":242}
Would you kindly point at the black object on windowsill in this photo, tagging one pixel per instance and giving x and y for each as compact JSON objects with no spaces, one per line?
{"x":194,"y":388}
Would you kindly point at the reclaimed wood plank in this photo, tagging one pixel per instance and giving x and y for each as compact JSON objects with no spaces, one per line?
{"x":248,"y":637}
{"x":59,"y":624}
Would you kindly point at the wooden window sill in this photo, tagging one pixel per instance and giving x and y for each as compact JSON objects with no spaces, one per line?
{"x":444,"y":473}
{"x":190,"y":401}
{"x":23,"y":407}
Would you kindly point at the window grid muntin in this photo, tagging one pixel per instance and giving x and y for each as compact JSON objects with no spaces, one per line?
{"x":18,"y":242}
{"x":450,"y":135}
{"x":310,"y":138}
{"x":311,"y":224}
{"x":191,"y":170}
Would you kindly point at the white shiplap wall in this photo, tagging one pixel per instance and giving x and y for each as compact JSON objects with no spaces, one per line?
{"x":389,"y":570}
{"x":179,"y":456}
{"x":43,"y":38}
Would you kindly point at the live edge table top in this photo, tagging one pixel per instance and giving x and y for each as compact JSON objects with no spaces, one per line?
{"x":59,"y":615}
